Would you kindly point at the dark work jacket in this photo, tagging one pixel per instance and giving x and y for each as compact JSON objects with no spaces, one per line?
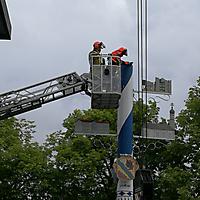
{"x":96,"y":60}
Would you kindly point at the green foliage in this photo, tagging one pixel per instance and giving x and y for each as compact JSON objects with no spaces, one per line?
{"x":144,"y":113}
{"x":175,"y":184}
{"x":84,"y":163}
{"x":22,"y":162}
{"x":178,"y":171}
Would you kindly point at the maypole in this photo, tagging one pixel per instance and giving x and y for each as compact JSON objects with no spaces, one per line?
{"x":125,"y":166}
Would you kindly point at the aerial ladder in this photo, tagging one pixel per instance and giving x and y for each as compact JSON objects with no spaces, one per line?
{"x":104,"y":87}
{"x":34,"y":96}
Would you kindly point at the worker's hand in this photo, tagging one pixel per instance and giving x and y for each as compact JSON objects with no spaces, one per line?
{"x":128,"y":63}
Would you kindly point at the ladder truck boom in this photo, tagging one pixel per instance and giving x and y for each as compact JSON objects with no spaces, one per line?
{"x":23,"y":100}
{"x":103,"y":82}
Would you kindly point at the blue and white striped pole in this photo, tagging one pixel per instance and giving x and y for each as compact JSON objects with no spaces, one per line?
{"x":125,"y":128}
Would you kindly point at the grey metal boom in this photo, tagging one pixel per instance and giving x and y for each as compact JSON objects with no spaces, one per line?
{"x":34,"y":96}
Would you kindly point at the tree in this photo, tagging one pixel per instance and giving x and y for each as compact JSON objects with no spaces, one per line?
{"x":22,"y":161}
{"x":82,"y":165}
{"x":179,"y":174}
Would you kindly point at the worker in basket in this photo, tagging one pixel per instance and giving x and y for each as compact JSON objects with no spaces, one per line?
{"x":118,"y":54}
{"x":94,"y":55}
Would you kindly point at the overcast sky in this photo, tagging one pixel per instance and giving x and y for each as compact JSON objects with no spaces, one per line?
{"x":53,"y":37}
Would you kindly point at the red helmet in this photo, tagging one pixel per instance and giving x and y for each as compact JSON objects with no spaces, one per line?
{"x":98,"y":44}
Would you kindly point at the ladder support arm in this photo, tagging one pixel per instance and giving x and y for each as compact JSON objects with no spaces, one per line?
{"x":23,"y":100}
